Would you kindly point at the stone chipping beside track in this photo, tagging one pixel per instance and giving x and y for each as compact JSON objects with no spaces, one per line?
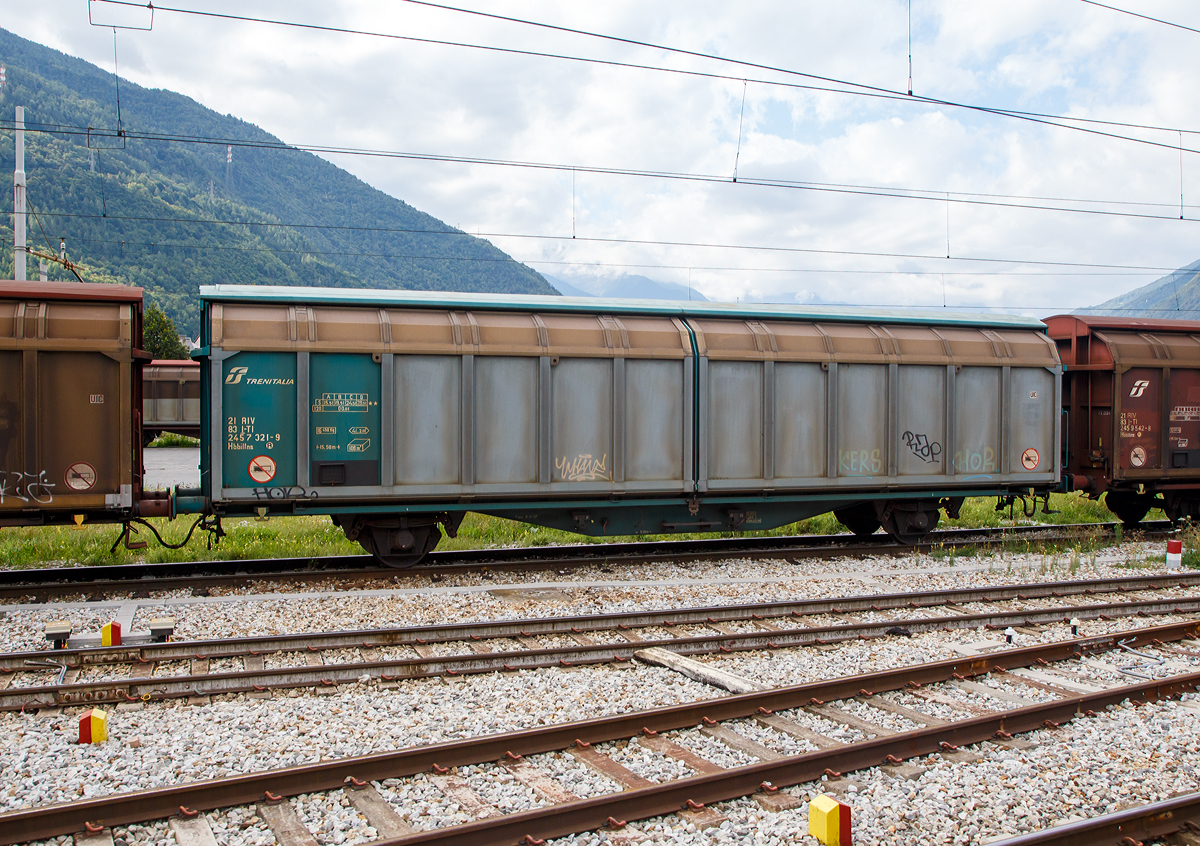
{"x":1121,"y":756}
{"x":589,"y":590}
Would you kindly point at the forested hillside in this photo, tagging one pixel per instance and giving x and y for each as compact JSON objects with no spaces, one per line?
{"x":160,"y":214}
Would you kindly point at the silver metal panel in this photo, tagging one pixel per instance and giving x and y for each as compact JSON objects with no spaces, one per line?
{"x":862,"y":424}
{"x":654,"y":421}
{"x":387,"y":422}
{"x":921,"y":420}
{"x":506,"y":415}
{"x":582,"y":420}
{"x":689,"y":423}
{"x":800,"y":424}
{"x":893,"y":432}
{"x":735,"y":419}
{"x":191,"y":409}
{"x":1056,"y":464}
{"x":1006,"y":462}
{"x":977,"y":422}
{"x":832,"y":445}
{"x":618,"y":419}
{"x":1033,"y":419}
{"x":468,"y":421}
{"x":167,"y":409}
{"x":427,"y":428}
{"x":700,"y":406}
{"x":545,"y":436}
{"x":948,"y":444}
{"x":768,"y":421}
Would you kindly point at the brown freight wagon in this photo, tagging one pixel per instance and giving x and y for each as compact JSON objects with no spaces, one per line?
{"x":70,"y":391}
{"x":170,"y":398}
{"x":1131,"y":397}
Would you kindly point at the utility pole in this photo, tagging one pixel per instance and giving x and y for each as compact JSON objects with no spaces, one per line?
{"x":19,"y":201}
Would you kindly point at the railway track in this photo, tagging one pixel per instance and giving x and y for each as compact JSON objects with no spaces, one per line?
{"x":155,"y":671}
{"x":45,"y":584}
{"x":1132,"y":827}
{"x":830,"y":727}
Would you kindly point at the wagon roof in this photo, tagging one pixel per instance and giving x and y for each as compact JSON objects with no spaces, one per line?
{"x":599,"y":305}
{"x":1081,"y":324}
{"x":11,"y":289}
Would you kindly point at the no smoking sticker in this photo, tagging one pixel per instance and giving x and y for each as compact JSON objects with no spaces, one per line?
{"x":1137,"y":456}
{"x":1030,"y":459}
{"x":81,"y":476}
{"x":262,"y":469}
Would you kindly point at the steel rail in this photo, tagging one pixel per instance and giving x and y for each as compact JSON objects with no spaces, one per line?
{"x":409,"y":635}
{"x":1134,"y":824}
{"x":121,"y":809}
{"x":590,"y":814}
{"x":61,"y":581}
{"x":128,"y":689}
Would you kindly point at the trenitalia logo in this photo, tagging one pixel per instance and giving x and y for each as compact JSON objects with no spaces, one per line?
{"x":1139,"y":387}
{"x":236,"y":374}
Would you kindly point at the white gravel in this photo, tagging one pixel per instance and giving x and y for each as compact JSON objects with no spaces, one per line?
{"x":1124,"y":755}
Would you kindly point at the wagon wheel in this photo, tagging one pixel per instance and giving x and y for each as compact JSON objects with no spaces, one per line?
{"x":397,"y":547}
{"x":1129,"y":507}
{"x":910,"y":524}
{"x":859,"y":519}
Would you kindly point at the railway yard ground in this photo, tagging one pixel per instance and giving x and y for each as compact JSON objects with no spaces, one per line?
{"x":371,"y":703}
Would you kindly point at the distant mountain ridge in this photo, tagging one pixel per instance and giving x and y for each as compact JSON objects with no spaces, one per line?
{"x":628,"y":286}
{"x":1174,"y":296}
{"x":141,"y":212}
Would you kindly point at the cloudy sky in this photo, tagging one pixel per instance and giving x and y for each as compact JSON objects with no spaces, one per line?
{"x":838,"y":196}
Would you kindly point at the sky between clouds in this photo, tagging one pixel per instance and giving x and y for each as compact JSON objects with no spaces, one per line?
{"x":1063,"y":57}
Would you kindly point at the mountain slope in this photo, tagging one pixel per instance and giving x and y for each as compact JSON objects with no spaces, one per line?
{"x":1174,"y":296}
{"x":157,"y":213}
{"x":626,"y":286}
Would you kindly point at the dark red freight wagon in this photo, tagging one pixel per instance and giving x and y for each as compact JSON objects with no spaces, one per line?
{"x":1131,"y":402}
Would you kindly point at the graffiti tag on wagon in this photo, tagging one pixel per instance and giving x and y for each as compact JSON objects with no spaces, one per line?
{"x":583,"y":468}
{"x":289,"y":492}
{"x":26,"y":487}
{"x":975,"y":461}
{"x":922,"y":447}
{"x":859,"y":462}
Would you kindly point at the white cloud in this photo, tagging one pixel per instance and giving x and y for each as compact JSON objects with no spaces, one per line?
{"x":354,"y":91}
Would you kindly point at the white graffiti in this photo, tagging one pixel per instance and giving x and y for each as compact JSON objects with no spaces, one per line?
{"x":583,"y":468}
{"x":26,"y":487}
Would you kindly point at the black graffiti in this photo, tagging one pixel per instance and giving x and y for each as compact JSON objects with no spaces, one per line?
{"x":290,"y":492}
{"x":27,"y":487}
{"x":922,"y":447}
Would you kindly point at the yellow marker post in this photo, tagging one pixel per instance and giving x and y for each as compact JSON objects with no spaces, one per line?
{"x":93,"y":726}
{"x":829,"y":821}
{"x":110,"y":635}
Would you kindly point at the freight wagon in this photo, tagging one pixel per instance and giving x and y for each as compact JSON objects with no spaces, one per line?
{"x":396,"y":412}
{"x":70,"y":391}
{"x":1131,"y":401}
{"x":170,"y":398}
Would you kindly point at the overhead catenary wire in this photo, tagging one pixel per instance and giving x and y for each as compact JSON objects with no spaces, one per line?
{"x":835,"y":188}
{"x":719,"y":246}
{"x":1139,"y":15}
{"x":850,"y":87}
